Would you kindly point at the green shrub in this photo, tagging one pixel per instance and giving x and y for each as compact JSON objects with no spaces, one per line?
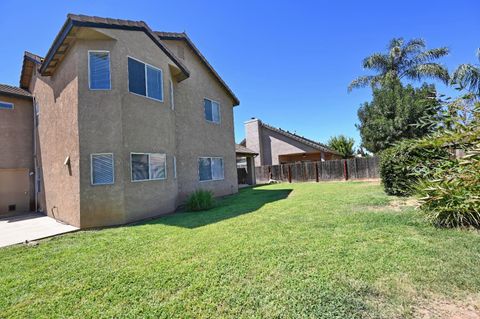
{"x":402,"y":165}
{"x":200,"y":200}
{"x":451,"y":198}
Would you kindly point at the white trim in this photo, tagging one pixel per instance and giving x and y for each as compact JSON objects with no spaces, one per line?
{"x":91,"y":169}
{"x":109,"y":71}
{"x":9,"y":103}
{"x":211,"y":171}
{"x":219,"y":113}
{"x":172,"y":96}
{"x":146,"y":79}
{"x":149,"y":172}
{"x":174,"y":167}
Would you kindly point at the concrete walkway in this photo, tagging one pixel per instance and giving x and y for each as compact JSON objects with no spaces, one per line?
{"x":32,"y":226}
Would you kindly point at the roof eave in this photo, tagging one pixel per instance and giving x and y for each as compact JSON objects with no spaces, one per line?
{"x":70,"y":23}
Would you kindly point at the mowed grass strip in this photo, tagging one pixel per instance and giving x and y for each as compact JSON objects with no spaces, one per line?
{"x":326,"y":250}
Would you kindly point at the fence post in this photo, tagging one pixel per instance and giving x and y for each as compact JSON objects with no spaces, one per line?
{"x":345,"y":170}
{"x":289,"y":173}
{"x":316,"y":172}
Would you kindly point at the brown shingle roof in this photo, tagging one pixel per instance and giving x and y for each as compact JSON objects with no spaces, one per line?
{"x":184,"y":36}
{"x":14,"y":91}
{"x":54,"y":54}
{"x":30,"y":62}
{"x":304,"y":140}
{"x":240,"y":149}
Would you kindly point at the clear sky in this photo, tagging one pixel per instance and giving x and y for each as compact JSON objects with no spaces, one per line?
{"x":289,"y":62}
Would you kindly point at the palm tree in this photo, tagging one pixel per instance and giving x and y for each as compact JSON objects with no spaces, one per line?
{"x":410,"y":60}
{"x":468,"y":76}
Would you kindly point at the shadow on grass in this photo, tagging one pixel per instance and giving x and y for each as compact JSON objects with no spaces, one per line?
{"x":246,"y":201}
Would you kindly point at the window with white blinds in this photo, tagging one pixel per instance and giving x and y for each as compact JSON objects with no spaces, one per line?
{"x":99,"y":70}
{"x":148,"y":166}
{"x":102,"y":168}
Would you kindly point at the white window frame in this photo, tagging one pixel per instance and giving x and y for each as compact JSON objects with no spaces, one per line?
{"x":149,"y":168}
{"x":211,"y":180}
{"x":109,"y":68}
{"x":146,"y":80}
{"x":172,"y":98}
{"x":91,"y":169}
{"x":174,"y":167}
{"x":9,"y":103}
{"x":219,"y":113}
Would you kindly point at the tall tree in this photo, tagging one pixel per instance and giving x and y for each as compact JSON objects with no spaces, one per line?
{"x":467,"y":76}
{"x":393,"y":113}
{"x":342,"y":144}
{"x":410,"y":60}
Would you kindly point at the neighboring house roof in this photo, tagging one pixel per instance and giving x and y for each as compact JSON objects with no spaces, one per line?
{"x":301,"y":139}
{"x":66,"y":37}
{"x":183,"y":36}
{"x":30,"y":62}
{"x":14,"y":91}
{"x":240,"y":149}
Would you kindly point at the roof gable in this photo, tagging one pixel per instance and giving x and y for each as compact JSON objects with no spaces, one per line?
{"x":301,"y":139}
{"x":67,"y":33}
{"x":184,"y":37}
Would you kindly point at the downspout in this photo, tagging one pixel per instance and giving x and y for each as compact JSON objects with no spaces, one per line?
{"x":35,"y":164}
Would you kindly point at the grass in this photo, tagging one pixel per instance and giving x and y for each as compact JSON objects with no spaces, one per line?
{"x":328,"y":250}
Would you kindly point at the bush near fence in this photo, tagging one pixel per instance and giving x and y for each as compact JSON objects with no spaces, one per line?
{"x":355,"y":168}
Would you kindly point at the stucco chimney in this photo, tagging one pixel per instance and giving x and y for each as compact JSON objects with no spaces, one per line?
{"x":253,"y":133}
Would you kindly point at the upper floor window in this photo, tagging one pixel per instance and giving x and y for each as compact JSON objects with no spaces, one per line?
{"x":212,"y":111}
{"x":148,"y":166}
{"x":99,"y":70}
{"x":6,"y":105}
{"x":102,"y":169}
{"x":145,"y":80}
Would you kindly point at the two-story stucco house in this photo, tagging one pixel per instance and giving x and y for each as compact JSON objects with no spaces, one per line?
{"x":128,"y":122}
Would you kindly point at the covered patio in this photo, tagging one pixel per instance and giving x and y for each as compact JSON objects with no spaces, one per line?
{"x":245,"y":165}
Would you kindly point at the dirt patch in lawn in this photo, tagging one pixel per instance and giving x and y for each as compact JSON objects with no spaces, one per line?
{"x":443,"y":308}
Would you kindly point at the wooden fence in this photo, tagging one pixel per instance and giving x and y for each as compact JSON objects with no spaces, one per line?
{"x":355,"y":168}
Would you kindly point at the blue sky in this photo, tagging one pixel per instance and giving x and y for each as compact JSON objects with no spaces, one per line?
{"x":289,"y":62}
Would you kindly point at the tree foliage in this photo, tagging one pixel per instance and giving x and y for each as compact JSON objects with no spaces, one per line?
{"x":342,"y":144}
{"x":403,"y":59}
{"x":393,"y":113}
{"x":467,"y":76}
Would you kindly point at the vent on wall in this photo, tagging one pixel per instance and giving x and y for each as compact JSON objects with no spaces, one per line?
{"x":180,"y":52}
{"x":12,"y":208}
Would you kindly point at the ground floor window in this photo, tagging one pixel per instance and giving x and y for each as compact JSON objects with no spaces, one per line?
{"x":102,"y":169}
{"x":210,"y":168}
{"x":148,"y":166}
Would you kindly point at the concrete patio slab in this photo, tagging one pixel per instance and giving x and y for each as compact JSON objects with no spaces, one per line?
{"x":32,"y":226}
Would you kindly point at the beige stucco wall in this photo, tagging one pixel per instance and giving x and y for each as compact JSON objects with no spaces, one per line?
{"x":16,"y":148}
{"x":57,"y":98}
{"x":195,"y":137}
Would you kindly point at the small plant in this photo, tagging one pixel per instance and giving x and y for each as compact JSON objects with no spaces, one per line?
{"x":200,"y":200}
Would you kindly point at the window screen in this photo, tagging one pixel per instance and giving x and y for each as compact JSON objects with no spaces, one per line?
{"x":99,"y":68}
{"x":212,"y":111}
{"x":210,"y":168}
{"x":102,"y":169}
{"x":6,"y":105}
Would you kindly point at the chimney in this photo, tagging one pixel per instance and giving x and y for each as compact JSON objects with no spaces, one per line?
{"x":253,"y":133}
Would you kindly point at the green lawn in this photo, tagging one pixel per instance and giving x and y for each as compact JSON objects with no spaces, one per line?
{"x":327,"y":250}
